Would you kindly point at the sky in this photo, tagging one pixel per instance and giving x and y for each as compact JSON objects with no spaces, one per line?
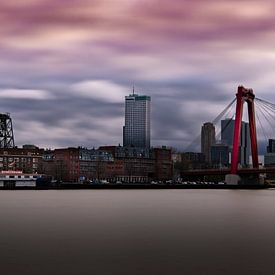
{"x":66,"y":65}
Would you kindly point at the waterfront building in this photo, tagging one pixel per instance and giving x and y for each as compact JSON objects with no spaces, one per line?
{"x":207,"y":140}
{"x":27,"y":159}
{"x":220,"y":155}
{"x":163,"y":163}
{"x":193,"y":160}
{"x":131,"y":164}
{"x":269,"y":157}
{"x":177,"y":157}
{"x":271,"y":146}
{"x":140,"y":164}
{"x":136,"y":131}
{"x":112,"y":163}
{"x":76,"y":164}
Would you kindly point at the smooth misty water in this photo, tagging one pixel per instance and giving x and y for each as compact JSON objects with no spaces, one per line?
{"x":137,"y":232}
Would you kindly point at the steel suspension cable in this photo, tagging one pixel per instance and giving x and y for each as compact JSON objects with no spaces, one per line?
{"x":214,"y":121}
{"x":271,"y":115}
{"x":271,"y":105}
{"x":270,"y":118}
{"x":226,"y":114}
{"x":218,"y":118}
{"x":261,"y":125}
{"x":268,"y":109}
{"x":264,"y":115}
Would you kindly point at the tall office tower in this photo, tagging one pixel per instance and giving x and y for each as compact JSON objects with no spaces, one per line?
{"x":137,"y":129}
{"x":207,"y":140}
{"x":227,"y":132}
{"x":227,"y":136}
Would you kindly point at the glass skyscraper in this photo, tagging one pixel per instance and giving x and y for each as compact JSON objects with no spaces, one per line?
{"x":227,"y":136}
{"x":137,"y":129}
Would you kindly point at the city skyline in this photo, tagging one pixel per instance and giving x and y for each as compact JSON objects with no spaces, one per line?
{"x":66,"y":67}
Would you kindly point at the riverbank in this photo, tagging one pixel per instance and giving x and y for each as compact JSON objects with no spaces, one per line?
{"x":75,"y":186}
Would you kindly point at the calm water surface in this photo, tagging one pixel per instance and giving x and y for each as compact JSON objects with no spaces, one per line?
{"x":137,"y":232}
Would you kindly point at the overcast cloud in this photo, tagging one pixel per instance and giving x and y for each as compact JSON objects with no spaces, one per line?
{"x":67,"y":65}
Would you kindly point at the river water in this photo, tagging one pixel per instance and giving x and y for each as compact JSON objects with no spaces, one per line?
{"x":137,"y":232}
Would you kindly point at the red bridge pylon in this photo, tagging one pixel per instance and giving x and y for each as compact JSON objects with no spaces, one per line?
{"x":244,"y":95}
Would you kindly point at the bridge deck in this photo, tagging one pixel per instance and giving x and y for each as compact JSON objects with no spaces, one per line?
{"x":242,"y":171}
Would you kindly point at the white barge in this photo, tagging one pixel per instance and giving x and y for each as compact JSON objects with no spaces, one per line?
{"x":17,"y":179}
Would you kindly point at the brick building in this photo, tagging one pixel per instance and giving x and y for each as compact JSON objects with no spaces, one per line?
{"x":76,"y":164}
{"x":114,"y":163}
{"x":163,"y":163}
{"x":27,"y":159}
{"x":140,"y":164}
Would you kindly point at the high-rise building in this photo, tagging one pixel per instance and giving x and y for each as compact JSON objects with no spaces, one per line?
{"x":227,"y":136}
{"x":227,"y":132}
{"x":271,"y":146}
{"x":136,"y":132}
{"x":269,"y":157}
{"x":207,"y":140}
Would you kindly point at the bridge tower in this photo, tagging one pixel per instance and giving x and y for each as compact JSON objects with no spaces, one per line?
{"x":6,"y":131}
{"x":244,"y":95}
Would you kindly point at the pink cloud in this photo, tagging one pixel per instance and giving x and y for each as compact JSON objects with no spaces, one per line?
{"x":186,"y":49}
